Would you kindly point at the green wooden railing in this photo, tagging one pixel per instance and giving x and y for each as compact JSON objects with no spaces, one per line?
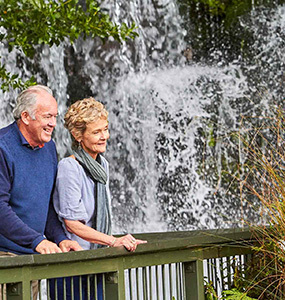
{"x":171,"y":264}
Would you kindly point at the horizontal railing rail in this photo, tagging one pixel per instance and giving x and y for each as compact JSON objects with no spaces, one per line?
{"x":171,"y":264}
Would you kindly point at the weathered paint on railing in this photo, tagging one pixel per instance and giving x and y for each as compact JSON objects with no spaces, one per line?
{"x":190,"y":248}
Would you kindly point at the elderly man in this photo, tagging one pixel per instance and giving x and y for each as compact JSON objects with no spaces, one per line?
{"x":28,"y":164}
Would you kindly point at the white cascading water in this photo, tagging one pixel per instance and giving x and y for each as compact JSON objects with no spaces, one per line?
{"x":164,"y":173}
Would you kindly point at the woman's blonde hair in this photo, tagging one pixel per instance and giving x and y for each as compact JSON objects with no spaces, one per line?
{"x":81,"y":113}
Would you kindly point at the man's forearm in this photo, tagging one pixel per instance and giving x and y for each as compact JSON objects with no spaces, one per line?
{"x":54,"y":230}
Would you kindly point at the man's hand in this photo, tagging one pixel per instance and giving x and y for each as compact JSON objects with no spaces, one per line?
{"x":68,"y":245}
{"x":47,"y":247}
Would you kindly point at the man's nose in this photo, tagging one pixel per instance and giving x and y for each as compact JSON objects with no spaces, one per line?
{"x":52,"y":121}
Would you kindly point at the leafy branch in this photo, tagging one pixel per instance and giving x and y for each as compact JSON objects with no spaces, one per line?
{"x":28,"y":23}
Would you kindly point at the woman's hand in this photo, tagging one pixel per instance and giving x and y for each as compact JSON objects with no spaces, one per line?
{"x":91,"y":235}
{"x":128,"y":241}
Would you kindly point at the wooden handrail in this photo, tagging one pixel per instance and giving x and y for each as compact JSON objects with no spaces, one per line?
{"x":188,"y":248}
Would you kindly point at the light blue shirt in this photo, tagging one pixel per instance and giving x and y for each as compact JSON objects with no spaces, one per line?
{"x":73,"y":196}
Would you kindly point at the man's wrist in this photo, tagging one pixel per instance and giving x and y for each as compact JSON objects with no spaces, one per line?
{"x":66,"y":239}
{"x":60,"y":239}
{"x":37,"y":241}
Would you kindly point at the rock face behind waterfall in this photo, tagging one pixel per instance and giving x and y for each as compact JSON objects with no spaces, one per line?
{"x":175,"y":94}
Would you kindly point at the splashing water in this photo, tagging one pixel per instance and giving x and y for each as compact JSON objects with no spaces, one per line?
{"x":168,"y":117}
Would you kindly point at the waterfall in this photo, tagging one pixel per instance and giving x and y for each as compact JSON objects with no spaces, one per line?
{"x":170,"y":117}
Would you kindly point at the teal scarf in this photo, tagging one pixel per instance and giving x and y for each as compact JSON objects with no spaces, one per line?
{"x":95,"y":170}
{"x":102,"y":214}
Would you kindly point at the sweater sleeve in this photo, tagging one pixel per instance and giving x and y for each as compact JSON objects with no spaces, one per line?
{"x":54,"y":230}
{"x":12,"y":227}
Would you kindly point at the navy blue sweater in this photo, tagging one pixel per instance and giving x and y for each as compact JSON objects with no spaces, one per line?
{"x":26,"y":181}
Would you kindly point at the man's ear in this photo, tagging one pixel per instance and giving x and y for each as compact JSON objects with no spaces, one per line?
{"x":25,"y":117}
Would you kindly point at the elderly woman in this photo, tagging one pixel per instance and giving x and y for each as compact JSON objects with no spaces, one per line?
{"x":81,"y":196}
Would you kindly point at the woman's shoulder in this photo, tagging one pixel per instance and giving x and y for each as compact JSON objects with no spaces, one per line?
{"x":69,"y":163}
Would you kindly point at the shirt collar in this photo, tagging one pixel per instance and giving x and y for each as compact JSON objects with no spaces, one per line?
{"x":24,"y":142}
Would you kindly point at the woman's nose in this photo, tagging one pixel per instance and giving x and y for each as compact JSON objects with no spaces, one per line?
{"x":104,"y":135}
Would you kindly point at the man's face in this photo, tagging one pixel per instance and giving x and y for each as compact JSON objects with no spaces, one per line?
{"x":40,"y":130}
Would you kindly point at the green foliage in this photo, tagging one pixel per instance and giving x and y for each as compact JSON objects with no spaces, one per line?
{"x":229,"y":8}
{"x":210,"y":293}
{"x":219,"y":25}
{"x":215,"y":6}
{"x":13,"y":80}
{"x":28,"y":23}
{"x":35,"y":22}
{"x":262,"y":149}
{"x":211,"y":138}
{"x":234,"y":294}
{"x":261,"y":177}
{"x":260,"y":277}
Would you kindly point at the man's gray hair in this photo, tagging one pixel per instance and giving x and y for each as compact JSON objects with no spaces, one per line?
{"x":27,"y":99}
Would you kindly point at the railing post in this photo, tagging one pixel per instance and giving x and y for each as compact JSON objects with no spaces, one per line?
{"x":14,"y":291}
{"x":194,"y":281}
{"x":115,"y":285}
{"x":111,"y":285}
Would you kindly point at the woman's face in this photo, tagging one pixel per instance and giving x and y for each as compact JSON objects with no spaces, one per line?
{"x":95,"y":136}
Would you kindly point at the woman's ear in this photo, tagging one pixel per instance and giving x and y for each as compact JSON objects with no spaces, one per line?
{"x":76,"y":135}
